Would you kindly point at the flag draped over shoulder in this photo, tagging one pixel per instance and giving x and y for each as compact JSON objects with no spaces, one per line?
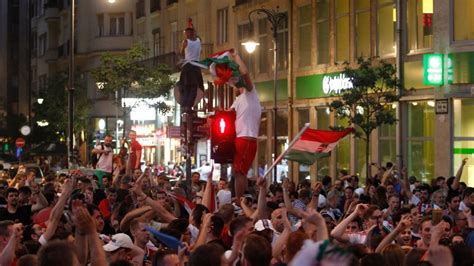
{"x":314,"y":144}
{"x":223,"y":68}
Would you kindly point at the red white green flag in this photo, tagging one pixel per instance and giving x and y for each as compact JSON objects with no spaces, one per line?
{"x":314,"y":144}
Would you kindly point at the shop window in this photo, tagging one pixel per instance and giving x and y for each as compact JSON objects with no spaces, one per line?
{"x":303,"y":118}
{"x":322,"y":30}
{"x":386,"y":20}
{"x":304,"y":29}
{"x":343,"y":149}
{"x":463,"y":110}
{"x":420,"y":25}
{"x":342,"y":30}
{"x":420,"y":140}
{"x":323,"y":123}
{"x":463,"y":20}
{"x":362,"y":28}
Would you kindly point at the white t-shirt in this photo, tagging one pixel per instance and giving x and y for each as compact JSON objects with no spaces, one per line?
{"x":248,"y":112}
{"x":192,"y":51}
{"x":105,"y":160}
{"x":224,"y":197}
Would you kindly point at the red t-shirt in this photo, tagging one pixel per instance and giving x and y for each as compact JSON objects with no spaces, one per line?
{"x":134,"y":147}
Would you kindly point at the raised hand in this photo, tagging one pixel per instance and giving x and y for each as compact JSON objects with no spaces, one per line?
{"x":82,"y":219}
{"x":361,"y":209}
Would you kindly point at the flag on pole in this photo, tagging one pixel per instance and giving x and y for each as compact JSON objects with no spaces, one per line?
{"x":314,"y":144}
{"x":183,"y":201}
{"x":223,"y":68}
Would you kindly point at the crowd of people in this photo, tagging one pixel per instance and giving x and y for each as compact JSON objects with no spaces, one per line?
{"x":146,"y":219}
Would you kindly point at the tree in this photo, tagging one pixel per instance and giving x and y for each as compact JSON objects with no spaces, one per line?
{"x":366,"y":105}
{"x":129,"y":75}
{"x":54,"y":110}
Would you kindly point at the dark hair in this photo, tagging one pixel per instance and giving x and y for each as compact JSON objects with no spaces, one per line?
{"x":56,"y":253}
{"x":451,"y":196}
{"x":121,"y":263}
{"x":160,"y":255}
{"x":467,"y":192}
{"x":326,"y":180}
{"x":257,"y":250}
{"x":180,"y":225}
{"x":10,"y":190}
{"x":303,"y":194}
{"x":197,"y":214}
{"x":238,"y":223}
{"x":27,"y":260}
{"x":25,"y":190}
{"x":206,"y":255}
{"x":373,"y":259}
{"x":217,"y":224}
{"x":226,"y":211}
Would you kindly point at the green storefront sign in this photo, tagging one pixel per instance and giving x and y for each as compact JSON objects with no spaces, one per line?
{"x":433,"y":69}
{"x":322,"y":85}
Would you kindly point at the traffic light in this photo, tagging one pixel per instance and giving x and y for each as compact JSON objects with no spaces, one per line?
{"x":223,"y":136}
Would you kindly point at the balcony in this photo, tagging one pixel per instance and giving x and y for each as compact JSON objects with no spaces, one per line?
{"x":51,"y":55}
{"x":110,"y":43}
{"x":51,"y":14}
{"x":170,"y":59}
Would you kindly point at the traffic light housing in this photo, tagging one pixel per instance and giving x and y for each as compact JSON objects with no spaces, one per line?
{"x":223,"y":136}
{"x":199,"y":129}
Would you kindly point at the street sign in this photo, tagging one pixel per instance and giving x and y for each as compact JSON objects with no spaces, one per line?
{"x":174,"y":132}
{"x":433,"y":69}
{"x":20,"y":142}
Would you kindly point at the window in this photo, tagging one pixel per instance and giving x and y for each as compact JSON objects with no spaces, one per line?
{"x":155,"y":5}
{"x":263,"y":49}
{"x":156,"y":42}
{"x":40,"y":6}
{"x":222,"y":21}
{"x":421,"y":121}
{"x":463,"y":110}
{"x":33,"y":9}
{"x":323,"y":123}
{"x":463,"y":20}
{"x":322,"y":30}
{"x":282,"y":41}
{"x":362,"y":28}
{"x":42,"y":80}
{"x":420,"y":29}
{"x":42,"y":44}
{"x":342,"y":30}
{"x":174,"y":35}
{"x":343,"y":149}
{"x":303,"y":118}
{"x":387,"y":142}
{"x":117,"y":24}
{"x":100,"y":25}
{"x":243,"y":34}
{"x":304,"y":29}
{"x":282,"y":141}
{"x":34,"y":43}
{"x":386,"y":21}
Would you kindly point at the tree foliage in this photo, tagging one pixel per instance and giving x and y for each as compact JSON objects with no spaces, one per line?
{"x":54,"y":109}
{"x":131,"y":75}
{"x":366,"y":105}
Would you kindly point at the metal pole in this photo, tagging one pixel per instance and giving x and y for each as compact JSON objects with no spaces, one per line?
{"x":70,"y":134}
{"x":400,"y":76}
{"x":275,"y":98}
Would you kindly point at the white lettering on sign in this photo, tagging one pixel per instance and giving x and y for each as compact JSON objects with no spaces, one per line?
{"x":336,"y":84}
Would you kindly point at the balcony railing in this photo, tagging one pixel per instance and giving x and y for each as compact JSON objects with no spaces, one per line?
{"x":170,"y":59}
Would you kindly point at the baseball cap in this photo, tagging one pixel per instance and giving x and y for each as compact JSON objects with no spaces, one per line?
{"x":118,"y":241}
{"x":263,"y":224}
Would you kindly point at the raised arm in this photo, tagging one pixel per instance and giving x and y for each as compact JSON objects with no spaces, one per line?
{"x":8,"y":253}
{"x":286,"y":198}
{"x":402,"y":225}
{"x":339,"y":231}
{"x":125,"y":223}
{"x":262,"y":199}
{"x":208,"y":191}
{"x":313,"y":204}
{"x":243,"y":70}
{"x":455,"y":185}
{"x":58,"y":209}
{"x":155,"y":205}
{"x":281,"y":241}
{"x":314,"y":217}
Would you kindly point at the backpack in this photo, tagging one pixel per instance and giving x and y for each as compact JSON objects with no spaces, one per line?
{"x":95,"y":157}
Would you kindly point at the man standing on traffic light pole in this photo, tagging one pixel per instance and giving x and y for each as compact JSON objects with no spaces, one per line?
{"x":190,"y":80}
{"x":248,"y":112}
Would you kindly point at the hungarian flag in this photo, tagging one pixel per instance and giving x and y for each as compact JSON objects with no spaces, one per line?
{"x":183,"y":201}
{"x":314,"y":144}
{"x":223,"y":68}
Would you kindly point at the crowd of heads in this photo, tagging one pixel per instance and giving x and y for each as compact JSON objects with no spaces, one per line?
{"x":153,"y":217}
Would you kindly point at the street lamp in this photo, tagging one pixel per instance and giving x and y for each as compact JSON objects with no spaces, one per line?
{"x":40,"y":100}
{"x":275,"y":18}
{"x":70,"y":131}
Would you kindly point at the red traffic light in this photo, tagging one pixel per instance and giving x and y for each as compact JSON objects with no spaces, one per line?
{"x":223,"y":136}
{"x":222,"y":125}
